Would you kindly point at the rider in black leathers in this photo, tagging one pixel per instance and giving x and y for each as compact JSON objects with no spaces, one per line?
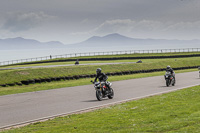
{"x":102,"y":77}
{"x":169,"y":69}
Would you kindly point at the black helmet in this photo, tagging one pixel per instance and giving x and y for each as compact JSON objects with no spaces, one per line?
{"x":168,"y":67}
{"x":98,"y":71}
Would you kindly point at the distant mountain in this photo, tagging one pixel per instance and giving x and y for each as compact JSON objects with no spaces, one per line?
{"x":111,"y":40}
{"x":21,"y":43}
{"x":117,"y":40}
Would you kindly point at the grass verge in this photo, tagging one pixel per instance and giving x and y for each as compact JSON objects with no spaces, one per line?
{"x":13,"y":76}
{"x":177,"y":111}
{"x":61,"y":84}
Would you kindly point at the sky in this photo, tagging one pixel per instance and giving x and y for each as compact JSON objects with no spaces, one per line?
{"x":72,"y":21}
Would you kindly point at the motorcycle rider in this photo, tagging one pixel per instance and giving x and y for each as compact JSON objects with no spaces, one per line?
{"x":102,"y":77}
{"x":169,"y":69}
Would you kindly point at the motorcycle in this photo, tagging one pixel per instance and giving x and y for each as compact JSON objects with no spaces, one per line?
{"x":77,"y":62}
{"x":199,"y":71}
{"x":102,"y":91}
{"x":169,"y":79}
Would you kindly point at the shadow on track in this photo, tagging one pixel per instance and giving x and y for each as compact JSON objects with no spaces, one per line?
{"x":94,"y":100}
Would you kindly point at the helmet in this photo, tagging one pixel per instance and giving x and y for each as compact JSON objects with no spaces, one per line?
{"x":168,"y":67}
{"x":98,"y":71}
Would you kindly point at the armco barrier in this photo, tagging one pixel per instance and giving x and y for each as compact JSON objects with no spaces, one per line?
{"x":27,"y":82}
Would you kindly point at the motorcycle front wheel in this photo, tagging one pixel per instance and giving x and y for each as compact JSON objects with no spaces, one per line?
{"x":173,"y":82}
{"x":167,"y":82}
{"x":111,"y":94}
{"x":99,"y":95}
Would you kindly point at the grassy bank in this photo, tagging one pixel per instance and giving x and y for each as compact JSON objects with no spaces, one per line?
{"x":177,"y":111}
{"x":12,"y":76}
{"x":61,"y":84}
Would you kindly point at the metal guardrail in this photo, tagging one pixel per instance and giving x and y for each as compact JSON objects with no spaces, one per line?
{"x":99,"y":53}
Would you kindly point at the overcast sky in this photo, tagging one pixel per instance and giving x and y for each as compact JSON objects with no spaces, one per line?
{"x":71,"y":21}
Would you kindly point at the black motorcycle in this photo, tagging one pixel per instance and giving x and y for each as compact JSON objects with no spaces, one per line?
{"x":169,"y":79}
{"x":102,"y":91}
{"x":77,"y":62}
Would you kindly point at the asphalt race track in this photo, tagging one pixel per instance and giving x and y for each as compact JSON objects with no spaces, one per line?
{"x":33,"y":106}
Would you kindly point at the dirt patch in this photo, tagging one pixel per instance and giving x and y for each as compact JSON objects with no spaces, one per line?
{"x":23,"y":73}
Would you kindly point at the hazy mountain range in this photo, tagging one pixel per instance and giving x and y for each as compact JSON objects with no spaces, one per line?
{"x":111,"y":40}
{"x":120,"y":40}
{"x":21,"y":43}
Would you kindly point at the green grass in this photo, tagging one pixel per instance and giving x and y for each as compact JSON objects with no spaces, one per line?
{"x":12,"y":76}
{"x":67,"y":63}
{"x":174,"y":112}
{"x":61,"y":84}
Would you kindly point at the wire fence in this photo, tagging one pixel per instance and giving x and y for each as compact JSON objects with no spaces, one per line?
{"x":99,"y":53}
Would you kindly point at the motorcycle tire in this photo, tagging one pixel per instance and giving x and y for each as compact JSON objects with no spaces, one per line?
{"x":99,"y":95}
{"x":111,"y":95}
{"x":173,"y":83}
{"x":167,"y":82}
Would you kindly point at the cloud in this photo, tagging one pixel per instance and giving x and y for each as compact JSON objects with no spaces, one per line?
{"x":147,"y":29}
{"x":18,"y":21}
{"x":185,"y":26}
{"x":128,"y":25}
{"x":124,"y":26}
